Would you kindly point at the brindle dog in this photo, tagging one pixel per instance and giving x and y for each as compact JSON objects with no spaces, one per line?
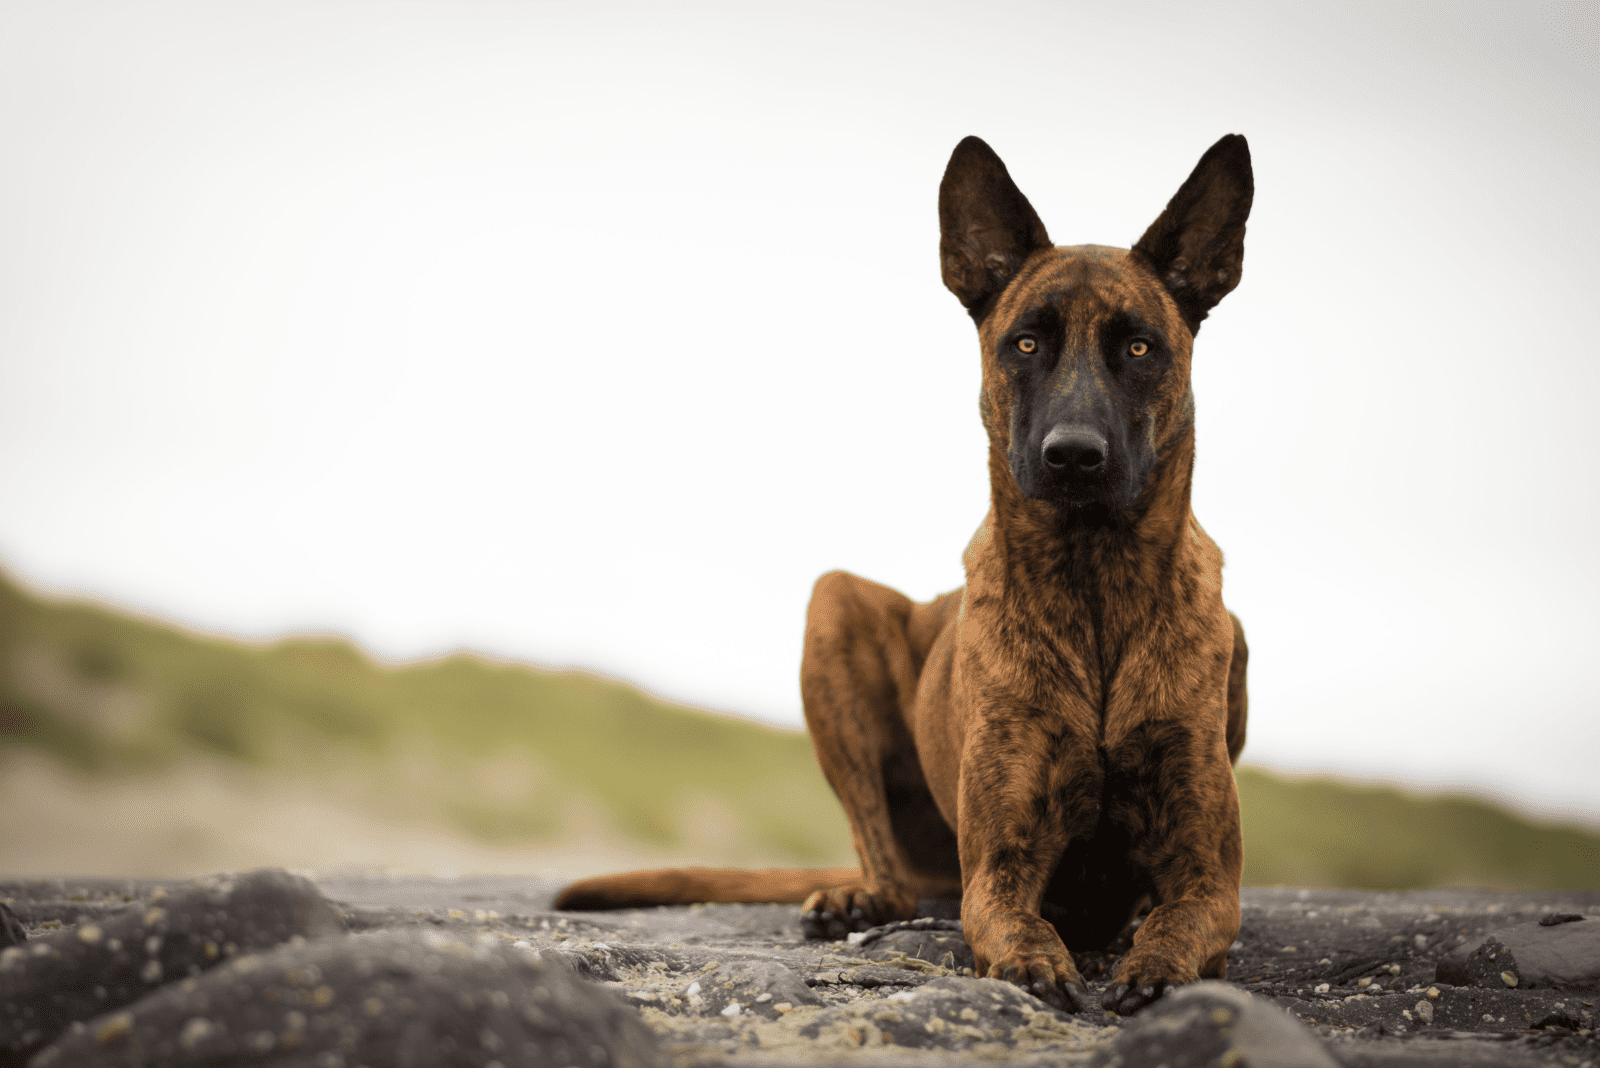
{"x":1053,"y":741}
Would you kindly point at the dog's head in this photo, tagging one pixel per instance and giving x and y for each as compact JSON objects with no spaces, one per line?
{"x":1086,"y":349}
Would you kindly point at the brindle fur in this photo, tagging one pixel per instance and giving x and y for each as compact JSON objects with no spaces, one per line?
{"x":1054,"y":740}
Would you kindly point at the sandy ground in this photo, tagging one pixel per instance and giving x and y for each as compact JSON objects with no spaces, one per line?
{"x":208,"y":816}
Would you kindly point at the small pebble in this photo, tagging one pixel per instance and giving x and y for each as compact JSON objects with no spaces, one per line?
{"x":1424,"y":1009}
{"x":195,"y":1032}
{"x":112,"y":1028}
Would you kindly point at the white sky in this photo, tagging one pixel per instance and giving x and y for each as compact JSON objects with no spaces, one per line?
{"x":592,"y":334}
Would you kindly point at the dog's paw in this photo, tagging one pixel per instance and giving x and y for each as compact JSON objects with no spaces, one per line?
{"x":1141,"y":978}
{"x":833,"y":914}
{"x":1127,"y":998}
{"x":1020,"y":948}
{"x":1047,"y":977}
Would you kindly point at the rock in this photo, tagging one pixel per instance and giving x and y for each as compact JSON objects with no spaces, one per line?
{"x":1564,"y":955}
{"x":747,"y":986}
{"x":410,"y":997}
{"x":1211,"y":1023}
{"x":952,"y":1013}
{"x":11,"y":932}
{"x":607,"y":963}
{"x":80,"y":972}
{"x":937,"y":941}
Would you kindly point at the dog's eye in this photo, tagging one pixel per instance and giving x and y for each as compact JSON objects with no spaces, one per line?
{"x":1027,"y":345}
{"x":1138,"y":348}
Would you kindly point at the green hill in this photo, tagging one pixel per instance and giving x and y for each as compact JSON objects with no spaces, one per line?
{"x":499,"y":750}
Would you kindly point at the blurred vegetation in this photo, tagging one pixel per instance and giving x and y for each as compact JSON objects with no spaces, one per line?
{"x":1321,"y":832}
{"x":499,"y":750}
{"x":493,"y":747}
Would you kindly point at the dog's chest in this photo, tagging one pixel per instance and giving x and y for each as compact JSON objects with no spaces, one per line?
{"x":1089,"y":658}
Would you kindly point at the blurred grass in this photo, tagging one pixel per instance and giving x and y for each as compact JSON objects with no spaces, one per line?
{"x":499,"y":750}
{"x":1321,"y":832}
{"x":501,"y":744}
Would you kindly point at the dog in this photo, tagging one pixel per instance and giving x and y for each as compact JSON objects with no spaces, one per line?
{"x":1054,"y":741}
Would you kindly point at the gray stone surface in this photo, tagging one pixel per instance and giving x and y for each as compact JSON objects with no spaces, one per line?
{"x":1212,"y":1023}
{"x":762,"y":987}
{"x":936,"y":941}
{"x":957,"y":1013}
{"x":115,"y":958}
{"x":1530,"y":956}
{"x":423,"y":998}
{"x":876,"y":1002}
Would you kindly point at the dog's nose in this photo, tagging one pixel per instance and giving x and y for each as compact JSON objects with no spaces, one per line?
{"x":1070,"y":449}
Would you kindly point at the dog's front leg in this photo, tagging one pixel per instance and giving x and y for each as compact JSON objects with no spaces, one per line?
{"x":1195,"y":858}
{"x":1017,"y":776}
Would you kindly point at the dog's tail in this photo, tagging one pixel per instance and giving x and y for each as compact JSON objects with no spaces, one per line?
{"x":688,"y":886}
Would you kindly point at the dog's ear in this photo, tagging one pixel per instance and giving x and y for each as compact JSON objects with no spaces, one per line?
{"x":1197,"y":245}
{"x":987,"y":228}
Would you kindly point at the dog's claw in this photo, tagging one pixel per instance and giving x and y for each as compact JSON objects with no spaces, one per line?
{"x":1081,"y":1001}
{"x":1067,"y":997}
{"x":813,"y":925}
{"x":1116,"y":999}
{"x":1125,"y":999}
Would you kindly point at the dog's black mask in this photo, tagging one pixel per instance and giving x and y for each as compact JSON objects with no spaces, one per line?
{"x":1081,"y":379}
